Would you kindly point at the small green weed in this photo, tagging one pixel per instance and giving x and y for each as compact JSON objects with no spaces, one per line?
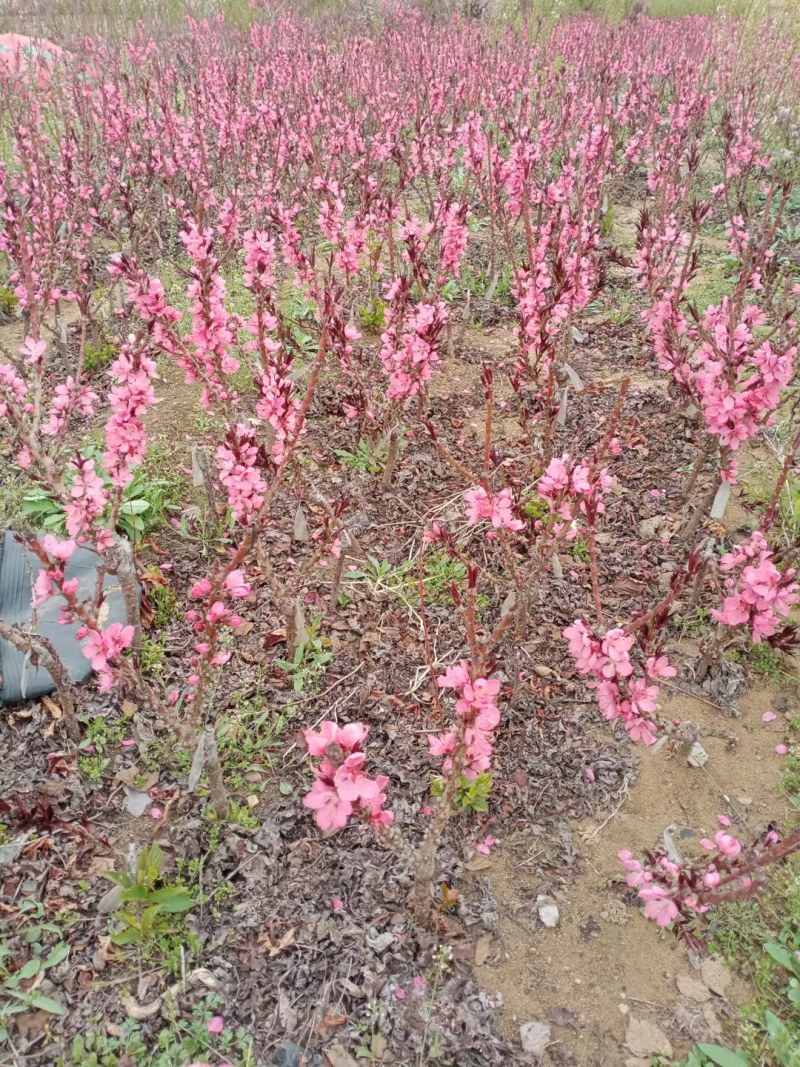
{"x":472,"y":794}
{"x":99,"y":734}
{"x":45,"y":948}
{"x":99,"y":357}
{"x":373,"y":316}
{"x":248,"y":738}
{"x":368,"y":457}
{"x":580,"y":549}
{"x":145,"y":918}
{"x":8,"y":302}
{"x":180,"y":1042}
{"x":307,"y":666}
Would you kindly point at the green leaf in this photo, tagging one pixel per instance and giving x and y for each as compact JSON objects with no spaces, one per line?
{"x":28,"y":970}
{"x":780,"y":955}
{"x":58,"y":953}
{"x":38,"y":1000}
{"x":724,"y":1057}
{"x":173,"y":899}
{"x":135,"y":507}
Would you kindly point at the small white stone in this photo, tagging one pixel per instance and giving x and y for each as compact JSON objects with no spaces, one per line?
{"x":698,"y":757}
{"x":548,"y":911}
{"x":534,"y":1037}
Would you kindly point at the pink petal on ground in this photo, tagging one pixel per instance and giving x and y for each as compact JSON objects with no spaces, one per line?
{"x":216,"y":1025}
{"x":782,"y":750}
{"x":156,"y":813}
{"x":769,"y":716}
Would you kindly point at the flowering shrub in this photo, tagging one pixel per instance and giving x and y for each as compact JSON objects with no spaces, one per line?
{"x":365,"y":188}
{"x":675,"y":892}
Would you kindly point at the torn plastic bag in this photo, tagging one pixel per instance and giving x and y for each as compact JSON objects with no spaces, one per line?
{"x":18,"y":569}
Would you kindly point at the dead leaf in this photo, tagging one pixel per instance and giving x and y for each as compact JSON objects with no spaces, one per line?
{"x":483,"y":949}
{"x":136,"y":802}
{"x":479,"y":863}
{"x":244,"y":628}
{"x":544,"y":672}
{"x":198,"y":762}
{"x":275,"y":948}
{"x":300,"y":531}
{"x":337,"y":1056}
{"x":301,"y":632}
{"x":138,"y":1011}
{"x":52,"y":707}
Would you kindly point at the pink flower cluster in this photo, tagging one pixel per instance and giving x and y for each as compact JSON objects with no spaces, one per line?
{"x":495,"y":509}
{"x":409,"y":365}
{"x":570,"y":487}
{"x":126,"y":440}
{"x":478,"y":716}
{"x":217,"y":612}
{"x":760,"y":594}
{"x":620,"y":694}
{"x":88,"y":498}
{"x":103,"y":647}
{"x":238,"y":461}
{"x":676,"y":892}
{"x":67,"y":397}
{"x":341,"y":790}
{"x":51,"y":579}
{"x":738,"y":379}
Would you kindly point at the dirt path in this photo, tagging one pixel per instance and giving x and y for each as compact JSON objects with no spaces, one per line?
{"x":605,"y":964}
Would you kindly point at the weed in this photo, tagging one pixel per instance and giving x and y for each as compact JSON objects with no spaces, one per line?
{"x":99,"y":357}
{"x":791,"y":779}
{"x":180,"y":1042}
{"x":373,"y":316}
{"x":248,"y":737}
{"x":368,"y":457}
{"x":100,"y":733}
{"x":580,"y":549}
{"x":441,"y":571}
{"x":164,"y":754}
{"x":472,"y":794}
{"x":307,"y":666}
{"x":763,"y":659}
{"x":241,"y":815}
{"x":161,"y":597}
{"x":145,"y":918}
{"x":43,"y":952}
{"x":8,"y":302}
{"x":152,"y":653}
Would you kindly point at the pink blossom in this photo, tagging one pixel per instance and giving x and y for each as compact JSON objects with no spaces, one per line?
{"x":216,"y":1024}
{"x":658,"y":905}
{"x":497,"y":509}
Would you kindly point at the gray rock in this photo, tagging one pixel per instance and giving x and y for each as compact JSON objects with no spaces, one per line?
{"x":698,"y":757}
{"x":535,"y":1037}
{"x":691,"y":988}
{"x":646,"y":1039}
{"x":548,"y":911}
{"x":716,"y":976}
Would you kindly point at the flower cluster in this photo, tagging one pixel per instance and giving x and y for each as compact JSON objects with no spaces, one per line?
{"x":341,"y":790}
{"x":572,"y":488}
{"x":759,"y":594}
{"x":621,"y":694}
{"x":478,"y":718}
{"x":674,"y":891}
{"x":103,"y":648}
{"x":409,"y":363}
{"x":498,"y":510}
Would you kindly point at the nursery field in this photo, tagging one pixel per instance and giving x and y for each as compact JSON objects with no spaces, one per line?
{"x":400,"y":494}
